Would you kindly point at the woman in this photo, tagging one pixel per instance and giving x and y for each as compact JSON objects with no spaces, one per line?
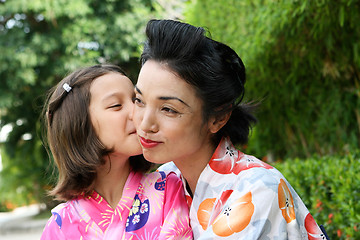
{"x":187,"y":110}
{"x":107,"y":192}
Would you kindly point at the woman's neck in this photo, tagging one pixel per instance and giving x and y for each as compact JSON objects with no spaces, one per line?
{"x":192,"y":167}
{"x":111,"y":179}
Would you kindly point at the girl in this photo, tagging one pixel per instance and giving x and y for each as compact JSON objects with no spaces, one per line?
{"x":107,"y":192}
{"x":187,"y":110}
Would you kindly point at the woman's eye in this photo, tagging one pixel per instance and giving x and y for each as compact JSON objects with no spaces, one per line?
{"x":137,"y":101}
{"x":169,"y":110}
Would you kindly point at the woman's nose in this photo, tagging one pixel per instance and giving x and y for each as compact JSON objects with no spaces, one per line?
{"x":148,"y":122}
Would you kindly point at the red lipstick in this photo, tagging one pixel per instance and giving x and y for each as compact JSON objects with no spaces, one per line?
{"x":146,"y":143}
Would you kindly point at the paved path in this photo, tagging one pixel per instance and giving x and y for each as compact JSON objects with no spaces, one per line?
{"x":20,"y":224}
{"x":27,"y":235}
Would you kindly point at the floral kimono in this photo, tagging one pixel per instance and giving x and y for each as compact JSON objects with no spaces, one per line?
{"x":152,"y":207}
{"x":240,"y":197}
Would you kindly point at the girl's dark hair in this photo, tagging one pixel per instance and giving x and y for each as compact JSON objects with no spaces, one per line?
{"x":71,"y":137}
{"x":214,"y":69}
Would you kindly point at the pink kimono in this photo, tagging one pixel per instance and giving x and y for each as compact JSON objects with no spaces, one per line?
{"x":152,"y":207}
{"x":238,"y":196}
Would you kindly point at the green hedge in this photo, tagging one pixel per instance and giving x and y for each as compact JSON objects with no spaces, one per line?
{"x":330,"y":188}
{"x":303,"y":62}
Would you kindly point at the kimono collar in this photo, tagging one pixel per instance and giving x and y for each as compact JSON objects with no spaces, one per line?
{"x":225,"y":157}
{"x":223,"y":161}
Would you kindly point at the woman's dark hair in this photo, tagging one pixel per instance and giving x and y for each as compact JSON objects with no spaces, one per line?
{"x":71,"y":137}
{"x":214,"y":69}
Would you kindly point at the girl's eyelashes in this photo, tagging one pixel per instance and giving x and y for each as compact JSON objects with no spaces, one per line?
{"x":115,"y":106}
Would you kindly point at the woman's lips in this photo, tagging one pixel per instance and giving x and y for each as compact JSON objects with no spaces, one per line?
{"x":147,"y":143}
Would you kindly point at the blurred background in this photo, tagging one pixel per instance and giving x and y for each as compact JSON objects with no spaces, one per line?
{"x":302,"y":60}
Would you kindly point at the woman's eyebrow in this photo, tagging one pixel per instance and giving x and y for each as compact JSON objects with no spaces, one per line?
{"x":138,"y":90}
{"x":174,"y":98}
{"x":165,"y":97}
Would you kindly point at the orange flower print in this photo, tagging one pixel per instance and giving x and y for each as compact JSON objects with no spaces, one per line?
{"x":233,"y":219}
{"x":204,"y":212}
{"x":210,"y":208}
{"x":314,"y":232}
{"x":286,"y":202}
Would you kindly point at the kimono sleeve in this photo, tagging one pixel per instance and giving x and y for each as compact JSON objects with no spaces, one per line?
{"x":286,"y":215}
{"x":176,"y":212}
{"x":52,"y":230}
{"x":278,"y":212}
{"x":62,"y":224}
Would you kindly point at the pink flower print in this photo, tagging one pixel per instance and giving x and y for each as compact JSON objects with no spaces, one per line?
{"x":144,"y":208}
{"x":227,"y":159}
{"x":226,"y":162}
{"x":248,"y":162}
{"x":314,"y":232}
{"x":188,"y":200}
{"x":136,"y":219}
{"x":219,"y":204}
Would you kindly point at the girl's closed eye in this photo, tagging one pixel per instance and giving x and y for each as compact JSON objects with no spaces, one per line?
{"x":115,"y":106}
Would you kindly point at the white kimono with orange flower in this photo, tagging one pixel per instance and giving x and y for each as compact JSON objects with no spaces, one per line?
{"x":152,"y":207}
{"x":240,"y":197}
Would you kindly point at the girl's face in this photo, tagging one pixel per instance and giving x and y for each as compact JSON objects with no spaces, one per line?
{"x":168,"y":116}
{"x":111,"y":109}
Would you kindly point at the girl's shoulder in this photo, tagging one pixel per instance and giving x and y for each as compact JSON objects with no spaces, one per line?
{"x":62,"y":208}
{"x":159,"y":179}
{"x":60,"y":222}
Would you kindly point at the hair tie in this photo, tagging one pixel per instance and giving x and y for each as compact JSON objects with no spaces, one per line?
{"x":67,"y":87}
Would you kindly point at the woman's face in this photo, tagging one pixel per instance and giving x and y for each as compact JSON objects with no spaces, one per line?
{"x":168,"y":116}
{"x":111,"y":109}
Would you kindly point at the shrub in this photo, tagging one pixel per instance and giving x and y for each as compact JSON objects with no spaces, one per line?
{"x":329,"y":186}
{"x":303,"y":60}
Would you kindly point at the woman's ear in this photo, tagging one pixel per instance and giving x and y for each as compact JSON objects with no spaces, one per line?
{"x":216,"y":123}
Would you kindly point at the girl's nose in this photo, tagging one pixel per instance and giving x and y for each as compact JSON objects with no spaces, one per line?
{"x":131,"y":112}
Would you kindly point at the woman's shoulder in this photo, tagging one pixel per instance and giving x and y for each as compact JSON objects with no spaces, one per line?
{"x":251,"y":167}
{"x":241,"y":173}
{"x":262,"y":179}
